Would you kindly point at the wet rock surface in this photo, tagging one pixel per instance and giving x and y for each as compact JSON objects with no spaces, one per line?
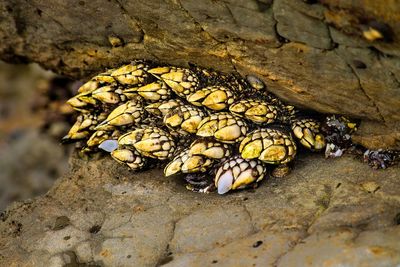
{"x":330,"y":56}
{"x":326,"y":212}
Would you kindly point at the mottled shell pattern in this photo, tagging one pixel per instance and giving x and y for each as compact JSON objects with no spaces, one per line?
{"x":199,"y":122}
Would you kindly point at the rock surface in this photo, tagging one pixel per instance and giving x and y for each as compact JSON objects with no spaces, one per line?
{"x":311,"y":53}
{"x":325,"y":213}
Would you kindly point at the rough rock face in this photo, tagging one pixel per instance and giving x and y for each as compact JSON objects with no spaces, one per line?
{"x":327,"y":212}
{"x":332,"y":56}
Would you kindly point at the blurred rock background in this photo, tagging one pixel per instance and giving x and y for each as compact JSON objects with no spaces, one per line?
{"x":33,"y":118}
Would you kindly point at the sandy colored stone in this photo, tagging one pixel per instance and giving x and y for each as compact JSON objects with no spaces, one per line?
{"x":116,"y":217}
{"x":260,"y":249}
{"x":215,"y":227}
{"x":346,"y":247}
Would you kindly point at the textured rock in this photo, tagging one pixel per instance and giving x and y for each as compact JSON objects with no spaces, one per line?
{"x":302,"y":24}
{"x":304,"y":52}
{"x":337,"y":212}
{"x":346,"y":248}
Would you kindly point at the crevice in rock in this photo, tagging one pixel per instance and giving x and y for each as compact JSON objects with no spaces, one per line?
{"x":371,"y":100}
{"x":280,"y":38}
{"x":329,"y":194}
{"x":394,"y":78}
{"x":254,"y":228}
{"x":124,"y":11}
{"x":291,"y":248}
{"x":218,"y":42}
{"x":333,"y":44}
{"x":137,"y":23}
{"x":167,"y":255}
{"x":231,"y":13}
{"x":196,"y":22}
{"x":231,"y":60}
{"x":52,"y":18}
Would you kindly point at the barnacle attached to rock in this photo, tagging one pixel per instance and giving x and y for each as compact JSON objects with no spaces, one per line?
{"x":308,"y":132}
{"x":130,"y":157}
{"x":131,"y":74}
{"x":110,"y":94}
{"x":210,"y":148}
{"x":151,"y":142}
{"x":129,"y":113}
{"x":212,"y":97}
{"x":184,"y":119}
{"x":182,"y":81}
{"x":224,"y":127}
{"x":187,"y":163}
{"x":269,"y":145}
{"x":156,"y":91}
{"x":84,"y":125}
{"x":257,"y":111}
{"x":97,"y":81}
{"x":160,"y":109}
{"x":238,"y":173}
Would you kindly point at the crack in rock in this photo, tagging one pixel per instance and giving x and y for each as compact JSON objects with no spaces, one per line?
{"x":362,"y":90}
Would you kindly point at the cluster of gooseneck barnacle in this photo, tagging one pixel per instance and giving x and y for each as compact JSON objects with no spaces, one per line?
{"x":219,"y":130}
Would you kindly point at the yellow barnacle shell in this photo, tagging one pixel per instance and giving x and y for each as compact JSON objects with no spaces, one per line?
{"x":150,"y":142}
{"x":176,"y":76}
{"x":184,"y":119}
{"x":212,"y":97}
{"x":159,"y":70}
{"x":255,"y":110}
{"x":252,"y":150}
{"x":75,"y":133}
{"x":154,"y":91}
{"x":148,"y":145}
{"x":223,"y":126}
{"x":173,"y":120}
{"x":130,"y":138}
{"x":306,"y":130}
{"x":273,"y":154}
{"x":89,"y":86}
{"x":130,"y":112}
{"x":268,"y":145}
{"x":129,"y":157}
{"x":196,"y":163}
{"x":190,"y":125}
{"x":175,"y":165}
{"x":210,"y":149}
{"x":229,"y":133}
{"x":238,"y":173}
{"x":97,"y":81}
{"x":160,"y":109}
{"x":196,"y":96}
{"x":182,"y":81}
{"x":107,"y":94}
{"x":131,"y":74}
{"x":75,"y":102}
{"x":97,"y":138}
